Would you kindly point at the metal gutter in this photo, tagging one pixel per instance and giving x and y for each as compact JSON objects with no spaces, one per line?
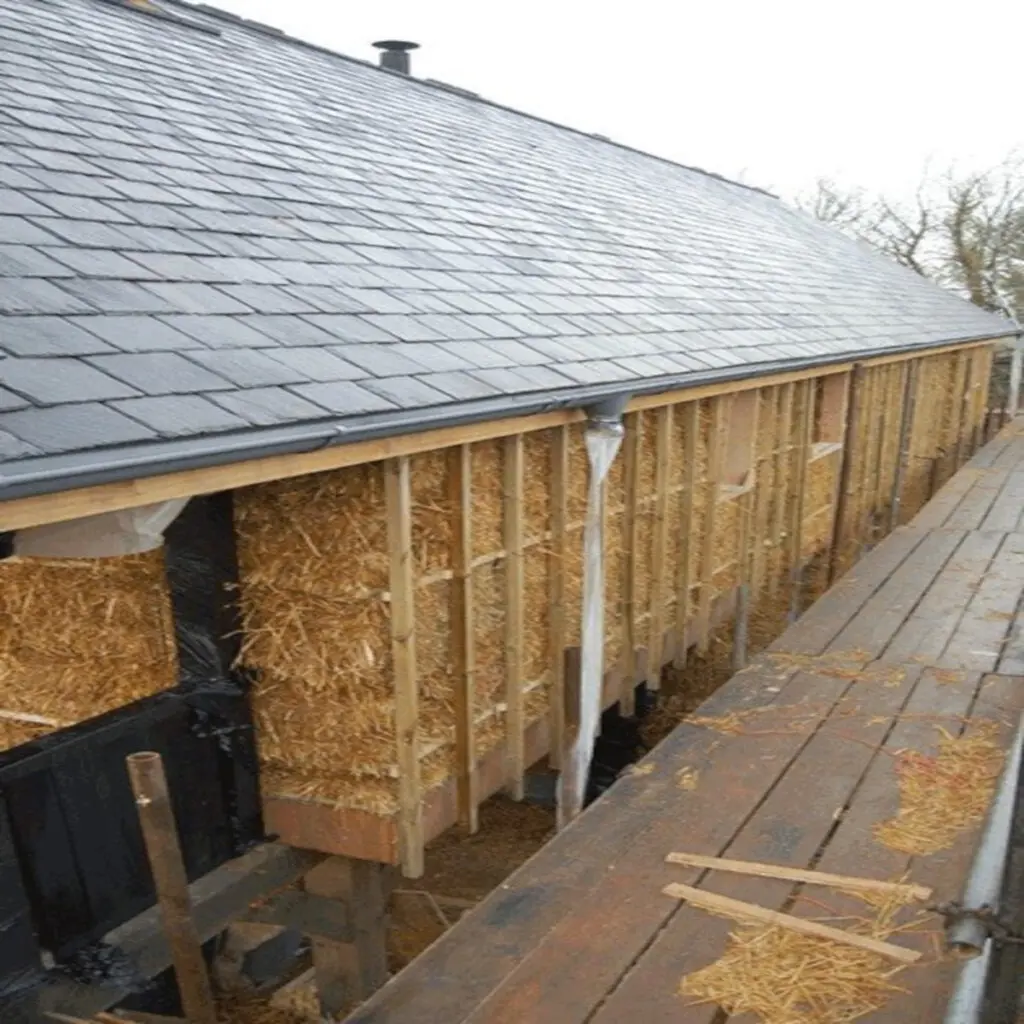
{"x":53,"y":474}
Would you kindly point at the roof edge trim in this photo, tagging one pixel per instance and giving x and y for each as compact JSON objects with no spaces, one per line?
{"x":32,"y":478}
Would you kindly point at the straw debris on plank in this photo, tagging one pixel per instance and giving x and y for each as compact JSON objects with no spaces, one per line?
{"x":943,"y":795}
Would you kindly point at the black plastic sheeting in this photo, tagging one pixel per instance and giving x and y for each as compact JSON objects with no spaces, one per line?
{"x":72,"y":860}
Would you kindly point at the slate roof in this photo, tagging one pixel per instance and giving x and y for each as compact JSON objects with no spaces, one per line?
{"x":215,"y":241}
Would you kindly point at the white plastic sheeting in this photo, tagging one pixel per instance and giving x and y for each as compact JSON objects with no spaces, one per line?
{"x":603,"y":440}
{"x":127,"y":532}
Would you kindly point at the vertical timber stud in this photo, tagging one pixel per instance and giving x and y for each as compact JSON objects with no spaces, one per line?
{"x":631,"y":449}
{"x":691,"y":434}
{"x":885,"y":425}
{"x":780,"y":481}
{"x":515,"y":716}
{"x":659,"y":595}
{"x":745,"y":559}
{"x":759,"y":539}
{"x":463,"y":635}
{"x":716,"y":456}
{"x":556,"y":577}
{"x":805,"y":425}
{"x":903,"y":451}
{"x":960,"y":413}
{"x":398,"y":492}
{"x":845,"y":496}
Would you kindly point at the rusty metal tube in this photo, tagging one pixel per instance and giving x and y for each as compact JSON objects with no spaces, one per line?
{"x":160,"y":834}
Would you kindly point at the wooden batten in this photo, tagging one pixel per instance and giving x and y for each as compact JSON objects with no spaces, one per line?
{"x":463,"y":634}
{"x":845,"y":495}
{"x":398,"y":490}
{"x":631,"y":453}
{"x":659,"y":589}
{"x":515,"y":716}
{"x":557,"y":559}
{"x":783,"y":474}
{"x":718,"y":441}
{"x":745,"y":567}
{"x":684,"y":577}
{"x":796,"y":494}
{"x":905,"y":440}
{"x":760,"y":539}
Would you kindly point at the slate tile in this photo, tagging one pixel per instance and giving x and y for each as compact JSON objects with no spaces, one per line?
{"x":239,"y":270}
{"x":102,"y":263}
{"x":84,"y":233}
{"x":75,"y":427}
{"x":181,"y":415}
{"x":160,"y":373}
{"x":431,"y":355}
{"x":408,"y":328}
{"x":12,"y":177}
{"x":384,"y":360}
{"x":407,"y":392}
{"x":249,"y":368}
{"x":25,"y":261}
{"x":375,"y":300}
{"x":117,"y":296}
{"x":348,"y":328}
{"x":77,"y":208}
{"x":343,"y":398}
{"x":61,"y":379}
{"x":268,"y":298}
{"x":18,"y":204}
{"x":135,"y":333}
{"x":324,"y":299}
{"x":172,"y":267}
{"x":13,"y":448}
{"x":70,"y":183}
{"x":135,"y":236}
{"x":47,"y":336}
{"x":220,"y":331}
{"x":317,"y":364}
{"x":288,"y":329}
{"x":34,"y":295}
{"x":267,"y":407}
{"x":18,"y":231}
{"x":9,"y":400}
{"x":193,"y":297}
{"x":152,"y":215}
{"x":464,"y":387}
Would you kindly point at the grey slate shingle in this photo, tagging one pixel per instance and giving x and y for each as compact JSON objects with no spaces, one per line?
{"x":343,"y":398}
{"x":266,"y":235}
{"x":180,"y":415}
{"x":160,"y":373}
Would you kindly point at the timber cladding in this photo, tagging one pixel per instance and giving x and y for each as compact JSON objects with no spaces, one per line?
{"x":407,"y":619}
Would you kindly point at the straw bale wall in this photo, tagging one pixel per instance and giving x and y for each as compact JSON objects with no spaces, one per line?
{"x":703,"y":496}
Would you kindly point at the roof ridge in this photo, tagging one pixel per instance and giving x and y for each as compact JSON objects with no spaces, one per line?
{"x":273,"y":32}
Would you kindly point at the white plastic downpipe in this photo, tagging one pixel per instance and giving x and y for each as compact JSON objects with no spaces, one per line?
{"x":603,"y":439}
{"x":1016,"y":362}
{"x":127,"y":532}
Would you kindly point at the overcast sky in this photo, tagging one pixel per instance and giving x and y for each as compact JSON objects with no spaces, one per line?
{"x":777,"y":93}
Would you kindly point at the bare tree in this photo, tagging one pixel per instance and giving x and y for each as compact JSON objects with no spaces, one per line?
{"x":965,"y":231}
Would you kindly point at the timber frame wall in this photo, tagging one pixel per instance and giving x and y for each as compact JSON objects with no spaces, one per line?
{"x":768,"y":488}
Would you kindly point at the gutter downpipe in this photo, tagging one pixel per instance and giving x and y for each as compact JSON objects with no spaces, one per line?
{"x":1016,"y":366}
{"x":968,"y":935}
{"x":603,"y":438}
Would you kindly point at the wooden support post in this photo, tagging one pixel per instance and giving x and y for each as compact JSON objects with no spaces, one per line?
{"x":559,"y":553}
{"x":631,"y":449}
{"x":763,"y":481}
{"x":691,"y":435}
{"x":892,"y":385}
{"x":782,"y":475}
{"x":515,"y":717}
{"x":659,"y":586}
{"x":805,"y":424}
{"x":903,"y":452}
{"x":745,"y":557}
{"x":398,"y":495}
{"x":845,"y":500}
{"x":961,"y":398}
{"x":348,"y":973}
{"x":460,"y":477}
{"x":719,"y":439}
{"x":870,"y":422}
{"x":163,"y":849}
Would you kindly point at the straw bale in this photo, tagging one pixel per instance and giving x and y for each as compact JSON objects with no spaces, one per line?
{"x":727,"y":539}
{"x":489,"y":622}
{"x":79,"y":637}
{"x":614,"y":586}
{"x":537,"y":450}
{"x":315,"y":571}
{"x":434,"y":645}
{"x":579,"y":474}
{"x":488,"y":489}
{"x":431,"y":512}
{"x":536,"y":613}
